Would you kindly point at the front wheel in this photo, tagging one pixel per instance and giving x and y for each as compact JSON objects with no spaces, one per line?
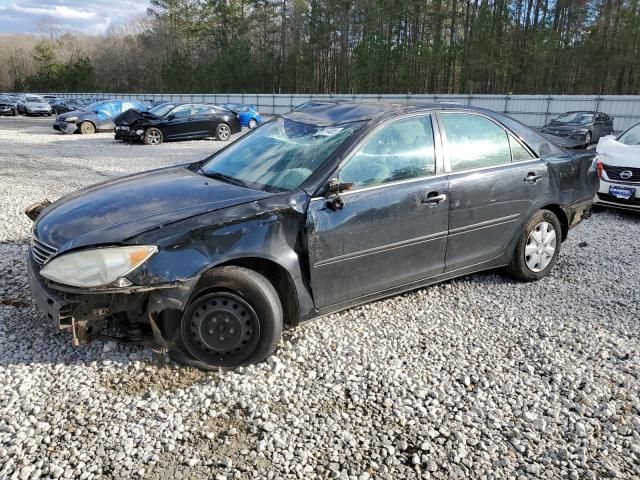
{"x":538,"y":247}
{"x":87,"y":128}
{"x":152,"y":136}
{"x":235,"y":319}
{"x":223,"y":132}
{"x":252,"y":124}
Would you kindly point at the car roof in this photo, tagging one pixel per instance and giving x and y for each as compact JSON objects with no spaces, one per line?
{"x":581,"y":111}
{"x":329,"y":112}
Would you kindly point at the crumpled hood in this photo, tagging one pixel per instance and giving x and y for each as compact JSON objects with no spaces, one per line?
{"x":566,"y":127}
{"x":132,"y":115}
{"x":612,"y":152}
{"x":112,"y":212}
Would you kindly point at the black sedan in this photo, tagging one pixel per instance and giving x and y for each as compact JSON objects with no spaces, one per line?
{"x":8,"y":106}
{"x":171,"y":121}
{"x":579,"y":128}
{"x":315,"y":211}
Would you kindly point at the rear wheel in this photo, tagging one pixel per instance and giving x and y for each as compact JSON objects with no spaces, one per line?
{"x":252,"y":124}
{"x":236,"y":319}
{"x":223,"y":132}
{"x":87,"y":128}
{"x":538,"y":247}
{"x":152,"y":136}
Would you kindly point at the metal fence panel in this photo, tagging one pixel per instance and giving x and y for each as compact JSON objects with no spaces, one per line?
{"x":532,"y":110}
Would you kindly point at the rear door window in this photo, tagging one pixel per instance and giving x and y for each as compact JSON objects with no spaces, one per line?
{"x":474,"y":141}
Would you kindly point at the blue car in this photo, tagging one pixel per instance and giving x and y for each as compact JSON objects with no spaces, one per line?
{"x":249,"y":116}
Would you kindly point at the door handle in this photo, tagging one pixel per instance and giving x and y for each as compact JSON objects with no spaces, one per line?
{"x":532,"y":177}
{"x":434,"y":198}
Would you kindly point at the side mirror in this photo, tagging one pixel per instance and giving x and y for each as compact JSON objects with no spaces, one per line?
{"x":332,"y":191}
{"x":171,"y":116}
{"x":334,"y":186}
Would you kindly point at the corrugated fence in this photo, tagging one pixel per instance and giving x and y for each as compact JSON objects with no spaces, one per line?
{"x":532,"y":110}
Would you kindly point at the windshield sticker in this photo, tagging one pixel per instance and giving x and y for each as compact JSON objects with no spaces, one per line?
{"x":328,"y":131}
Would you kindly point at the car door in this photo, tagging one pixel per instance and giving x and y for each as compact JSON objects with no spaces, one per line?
{"x":201,"y":121}
{"x":105,"y":113}
{"x":392,"y":228}
{"x":494,"y":183}
{"x":177,"y":125}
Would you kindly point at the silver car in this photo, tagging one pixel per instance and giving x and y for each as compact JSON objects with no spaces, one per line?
{"x":33,"y":105}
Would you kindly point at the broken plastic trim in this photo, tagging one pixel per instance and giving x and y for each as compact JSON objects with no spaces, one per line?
{"x":34,"y":210}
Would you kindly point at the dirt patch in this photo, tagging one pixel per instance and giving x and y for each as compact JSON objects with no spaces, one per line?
{"x":13,"y":302}
{"x":139,"y":382}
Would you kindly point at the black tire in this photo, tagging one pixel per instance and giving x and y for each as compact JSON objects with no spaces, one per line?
{"x":152,"y":136}
{"x":234,"y":319}
{"x":223,"y":132}
{"x":519,"y":267}
{"x":87,"y":128}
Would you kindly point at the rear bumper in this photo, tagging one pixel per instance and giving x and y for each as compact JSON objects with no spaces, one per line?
{"x":578,"y":211}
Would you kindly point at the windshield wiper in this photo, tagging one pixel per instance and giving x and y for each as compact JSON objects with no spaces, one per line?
{"x":223,"y":177}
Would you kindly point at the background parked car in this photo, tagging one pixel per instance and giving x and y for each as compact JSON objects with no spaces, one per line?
{"x":33,"y":105}
{"x":95,"y":117}
{"x":171,"y":121}
{"x":63,"y":105}
{"x":583,"y":127}
{"x":8,"y":106}
{"x":619,"y":170}
{"x":249,"y":116}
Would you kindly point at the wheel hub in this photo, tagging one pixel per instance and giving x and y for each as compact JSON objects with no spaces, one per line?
{"x":540,"y":247}
{"x":220,"y":328}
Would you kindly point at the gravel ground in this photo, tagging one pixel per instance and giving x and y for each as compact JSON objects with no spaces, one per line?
{"x":480,"y":377}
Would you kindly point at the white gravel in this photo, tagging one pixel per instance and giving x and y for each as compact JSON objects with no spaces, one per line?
{"x":480,"y":378}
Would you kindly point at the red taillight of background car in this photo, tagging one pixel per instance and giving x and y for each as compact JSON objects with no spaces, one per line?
{"x":599,"y":168}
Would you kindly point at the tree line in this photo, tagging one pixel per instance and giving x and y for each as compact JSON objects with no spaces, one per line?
{"x":341,"y":46}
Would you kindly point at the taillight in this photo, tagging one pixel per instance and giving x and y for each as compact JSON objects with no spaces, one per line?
{"x":599,"y":168}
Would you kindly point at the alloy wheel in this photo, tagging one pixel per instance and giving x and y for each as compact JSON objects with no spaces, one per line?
{"x":154,"y":137}
{"x":541,"y":246}
{"x":224,"y":132}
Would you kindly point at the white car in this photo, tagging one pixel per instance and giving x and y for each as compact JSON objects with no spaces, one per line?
{"x":619,"y":170}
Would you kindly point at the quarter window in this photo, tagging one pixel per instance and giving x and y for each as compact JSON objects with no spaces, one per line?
{"x":518,"y":152}
{"x":474,"y":141}
{"x":401,"y":150}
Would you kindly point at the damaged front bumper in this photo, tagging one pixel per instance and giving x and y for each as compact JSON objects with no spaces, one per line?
{"x":125,"y":133}
{"x":148,"y":314}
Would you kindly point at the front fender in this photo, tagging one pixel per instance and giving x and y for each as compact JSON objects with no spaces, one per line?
{"x":250,"y":231}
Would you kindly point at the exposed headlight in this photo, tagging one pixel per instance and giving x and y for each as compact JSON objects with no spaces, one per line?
{"x":97,"y":267}
{"x":71,"y":119}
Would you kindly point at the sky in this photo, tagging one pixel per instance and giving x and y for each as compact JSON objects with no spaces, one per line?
{"x":88,"y":16}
